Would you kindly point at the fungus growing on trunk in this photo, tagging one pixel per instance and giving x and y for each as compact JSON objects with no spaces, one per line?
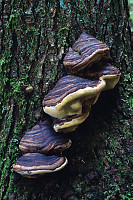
{"x":72,"y":97}
{"x":69,"y":104}
{"x":86,"y":51}
{"x":43,"y":139}
{"x":70,"y":123}
{"x":32,"y":165}
{"x":105,"y":71}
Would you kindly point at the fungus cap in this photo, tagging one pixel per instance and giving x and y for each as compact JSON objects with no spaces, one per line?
{"x":69,"y":124}
{"x":70,"y":94}
{"x":32,"y":165}
{"x":106,"y":71}
{"x":43,"y":139}
{"x":84,"y":52}
{"x":111,"y":75}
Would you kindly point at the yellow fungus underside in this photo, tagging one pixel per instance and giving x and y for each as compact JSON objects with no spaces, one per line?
{"x":71,"y":104}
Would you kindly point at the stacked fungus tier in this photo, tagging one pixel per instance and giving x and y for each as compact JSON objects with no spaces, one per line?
{"x":32,"y":165}
{"x":69,"y":104}
{"x":86,"y":51}
{"x":43,"y":139}
{"x":70,"y":101}
{"x":39,"y":146}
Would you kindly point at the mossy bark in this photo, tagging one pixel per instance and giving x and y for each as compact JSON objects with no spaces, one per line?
{"x":34,"y":37}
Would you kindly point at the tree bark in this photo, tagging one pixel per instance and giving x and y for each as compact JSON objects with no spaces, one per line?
{"x":34,"y":37}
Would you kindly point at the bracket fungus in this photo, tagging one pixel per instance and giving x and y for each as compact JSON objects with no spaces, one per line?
{"x":86,"y":51}
{"x":43,"y":139}
{"x":70,"y":123}
{"x":110,"y":74}
{"x":71,"y":99}
{"x":32,"y":165}
{"x":105,"y":71}
{"x":69,"y":104}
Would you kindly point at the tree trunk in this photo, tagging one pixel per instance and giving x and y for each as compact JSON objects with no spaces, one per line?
{"x":34,"y":37}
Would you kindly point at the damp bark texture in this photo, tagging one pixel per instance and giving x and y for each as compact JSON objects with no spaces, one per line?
{"x":34,"y":38}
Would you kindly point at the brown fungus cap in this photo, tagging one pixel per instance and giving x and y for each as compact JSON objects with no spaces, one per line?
{"x":84,"y":52}
{"x":106,"y":71}
{"x":111,"y":75}
{"x":43,"y":139}
{"x":72,"y":96}
{"x":32,"y":165}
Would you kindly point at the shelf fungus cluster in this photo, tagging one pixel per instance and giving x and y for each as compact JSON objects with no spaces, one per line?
{"x":69,"y":104}
{"x":70,"y":101}
{"x":39,"y":147}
